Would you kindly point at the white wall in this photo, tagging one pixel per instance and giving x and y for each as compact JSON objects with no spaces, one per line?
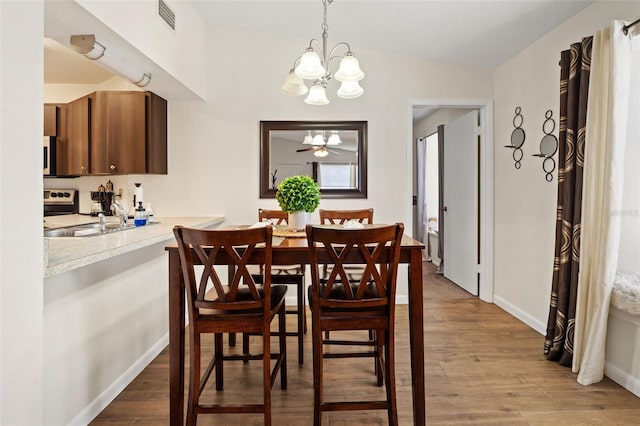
{"x":525,"y":202}
{"x":219,"y":140}
{"x":429,"y":124}
{"x":178,"y":52}
{"x":103,"y":324}
{"x":21,"y":260}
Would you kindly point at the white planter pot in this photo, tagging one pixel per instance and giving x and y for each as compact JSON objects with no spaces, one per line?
{"x":298,"y":220}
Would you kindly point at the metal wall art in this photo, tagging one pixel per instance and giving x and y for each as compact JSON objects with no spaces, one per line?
{"x":548,"y":146}
{"x":517,"y":138}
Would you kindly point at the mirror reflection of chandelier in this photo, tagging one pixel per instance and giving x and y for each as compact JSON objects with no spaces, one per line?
{"x":320,"y":139}
{"x":314,"y":66}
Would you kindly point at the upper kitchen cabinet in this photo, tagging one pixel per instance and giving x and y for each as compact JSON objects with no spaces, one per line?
{"x":50,"y":120}
{"x":74,"y":137}
{"x":128,"y":133}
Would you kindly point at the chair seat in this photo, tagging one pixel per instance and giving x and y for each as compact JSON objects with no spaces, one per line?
{"x":244,"y":295}
{"x":338,"y":293}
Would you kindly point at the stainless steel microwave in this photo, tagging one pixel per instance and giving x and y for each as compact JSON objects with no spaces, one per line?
{"x":49,"y":151}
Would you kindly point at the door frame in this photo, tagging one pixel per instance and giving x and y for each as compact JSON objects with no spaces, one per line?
{"x":485,"y":107}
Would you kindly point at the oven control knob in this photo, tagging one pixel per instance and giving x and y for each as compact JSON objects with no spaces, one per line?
{"x":67,"y":195}
{"x":54,"y":194}
{"x":60,"y":194}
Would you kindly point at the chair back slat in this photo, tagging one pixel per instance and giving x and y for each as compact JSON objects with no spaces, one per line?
{"x":339,"y":217}
{"x":377,"y":284}
{"x":277,"y":217}
{"x":204,"y":287}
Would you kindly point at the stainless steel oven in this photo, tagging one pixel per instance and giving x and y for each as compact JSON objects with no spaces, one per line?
{"x":60,"y":201}
{"x":49,"y":151}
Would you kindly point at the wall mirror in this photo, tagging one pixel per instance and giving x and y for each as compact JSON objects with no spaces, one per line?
{"x":333,"y":153}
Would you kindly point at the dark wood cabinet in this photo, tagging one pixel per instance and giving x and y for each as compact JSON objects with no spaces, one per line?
{"x":50,"y":120}
{"x":109,"y":132}
{"x":128,"y":133}
{"x":73,"y":143}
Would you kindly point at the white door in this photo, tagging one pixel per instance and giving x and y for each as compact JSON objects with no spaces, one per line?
{"x":460,"y":194}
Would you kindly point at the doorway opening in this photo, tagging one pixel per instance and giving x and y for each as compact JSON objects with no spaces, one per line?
{"x":429,"y":114}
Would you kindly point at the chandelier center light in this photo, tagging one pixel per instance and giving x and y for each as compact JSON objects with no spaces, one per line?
{"x":314,"y":64}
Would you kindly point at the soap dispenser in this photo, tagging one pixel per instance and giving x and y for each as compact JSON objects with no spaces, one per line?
{"x":140,"y":216}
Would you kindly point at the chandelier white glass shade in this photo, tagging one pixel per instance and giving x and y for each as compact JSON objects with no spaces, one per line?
{"x":308,"y":139}
{"x":314,"y":65}
{"x":88,"y":46}
{"x":334,"y":139}
{"x":320,"y":139}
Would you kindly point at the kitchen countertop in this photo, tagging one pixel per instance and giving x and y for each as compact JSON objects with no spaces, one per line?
{"x":67,"y":253}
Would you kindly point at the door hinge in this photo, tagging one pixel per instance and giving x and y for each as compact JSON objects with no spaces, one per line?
{"x":414,"y":200}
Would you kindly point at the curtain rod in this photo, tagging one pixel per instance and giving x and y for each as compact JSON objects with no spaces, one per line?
{"x":625,"y":29}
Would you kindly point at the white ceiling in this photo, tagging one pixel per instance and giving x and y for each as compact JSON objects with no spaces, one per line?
{"x":482,"y":33}
{"x":65,"y":66}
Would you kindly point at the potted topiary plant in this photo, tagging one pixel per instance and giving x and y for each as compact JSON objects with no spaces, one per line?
{"x":298,"y":196}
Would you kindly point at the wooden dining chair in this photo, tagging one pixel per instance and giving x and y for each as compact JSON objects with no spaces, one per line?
{"x":237,"y":306}
{"x":354,"y":272}
{"x":339,"y":217}
{"x":339,"y":304}
{"x":289,"y":275}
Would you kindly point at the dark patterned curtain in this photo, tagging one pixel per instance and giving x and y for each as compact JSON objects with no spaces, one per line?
{"x":575,"y":65}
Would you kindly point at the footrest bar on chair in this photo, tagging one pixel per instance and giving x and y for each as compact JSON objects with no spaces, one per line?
{"x":354,"y":405}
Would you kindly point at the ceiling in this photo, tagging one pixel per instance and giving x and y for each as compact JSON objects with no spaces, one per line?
{"x":477,"y":33}
{"x":65,"y":66}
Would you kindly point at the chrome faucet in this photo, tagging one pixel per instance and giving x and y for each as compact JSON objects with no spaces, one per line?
{"x":120,"y":210}
{"x":103,"y":222}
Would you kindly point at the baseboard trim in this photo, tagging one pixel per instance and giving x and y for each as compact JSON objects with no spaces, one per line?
{"x":624,"y":379}
{"x":91,"y":411}
{"x":521,"y":315}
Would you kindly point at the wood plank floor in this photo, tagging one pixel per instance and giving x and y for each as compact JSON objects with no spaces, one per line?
{"x":483,"y":367}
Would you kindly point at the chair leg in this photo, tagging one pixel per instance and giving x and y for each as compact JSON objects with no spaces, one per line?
{"x":390,"y":377}
{"x":301,"y":321}
{"x":194,"y":378}
{"x":282,"y":328}
{"x":218,"y":361}
{"x":378,"y":338}
{"x":304,"y":307}
{"x":245,"y":346}
{"x":266,"y":374}
{"x":317,"y":370}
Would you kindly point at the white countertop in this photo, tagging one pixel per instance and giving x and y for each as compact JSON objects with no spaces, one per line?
{"x":68,"y":253}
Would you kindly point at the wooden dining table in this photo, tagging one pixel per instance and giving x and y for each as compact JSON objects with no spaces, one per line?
{"x":293,"y":251}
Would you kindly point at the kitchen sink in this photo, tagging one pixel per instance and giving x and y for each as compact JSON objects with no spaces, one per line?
{"x":87,"y":230}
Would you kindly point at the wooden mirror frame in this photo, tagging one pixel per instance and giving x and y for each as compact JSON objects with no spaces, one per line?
{"x":360,"y":126}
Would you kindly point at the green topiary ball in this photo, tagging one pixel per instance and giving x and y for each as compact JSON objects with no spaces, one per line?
{"x":298,"y":193}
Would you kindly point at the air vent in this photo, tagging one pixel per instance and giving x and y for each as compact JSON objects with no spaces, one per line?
{"x":167,"y":14}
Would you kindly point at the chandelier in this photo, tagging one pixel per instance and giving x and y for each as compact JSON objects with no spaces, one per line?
{"x":314,"y":66}
{"x":320,"y":138}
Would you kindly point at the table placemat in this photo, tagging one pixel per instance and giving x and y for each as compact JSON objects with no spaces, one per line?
{"x":284,"y":232}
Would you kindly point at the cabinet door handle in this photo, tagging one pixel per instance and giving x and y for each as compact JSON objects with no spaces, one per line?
{"x":112,"y":167}
{"x":83,"y":168}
